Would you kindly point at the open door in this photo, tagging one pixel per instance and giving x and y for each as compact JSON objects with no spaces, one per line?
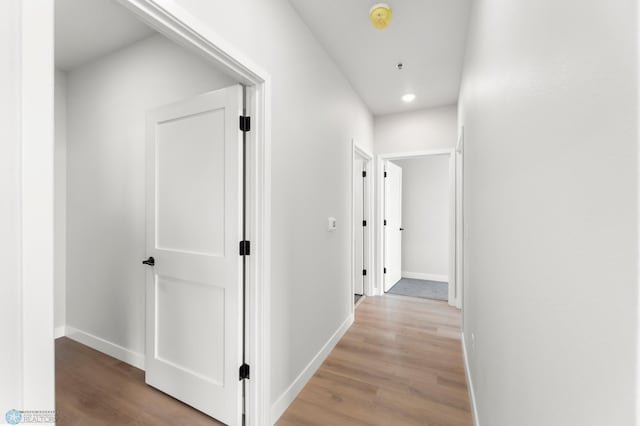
{"x":194,"y":292}
{"x":359,"y":225}
{"x":393,"y":225}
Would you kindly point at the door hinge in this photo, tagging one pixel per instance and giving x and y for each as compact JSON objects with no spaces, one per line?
{"x":385,"y":222}
{"x":244,"y":371}
{"x":364,"y":272}
{"x":385,"y":174}
{"x":245,"y":123}
{"x":384,"y":271}
{"x":364,"y":223}
{"x":364,"y":174}
{"x":245,"y":248}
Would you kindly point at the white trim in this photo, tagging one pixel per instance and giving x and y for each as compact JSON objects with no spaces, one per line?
{"x":290,"y":394}
{"x":172,"y":20}
{"x":405,"y":155}
{"x":454,"y":293}
{"x":379,"y":228}
{"x":358,"y":151}
{"x":637,"y":237}
{"x":37,"y":143}
{"x":459,"y":226}
{"x":428,"y":277}
{"x":453,"y":288}
{"x":259,"y":263}
{"x":472,"y":393}
{"x":106,"y":347}
{"x":59,"y":332}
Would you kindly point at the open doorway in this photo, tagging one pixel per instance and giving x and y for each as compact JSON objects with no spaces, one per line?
{"x":155,"y":173}
{"x":418,"y":225}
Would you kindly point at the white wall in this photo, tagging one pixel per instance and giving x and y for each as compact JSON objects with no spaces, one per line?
{"x":549,"y":108}
{"x":425,"y":217}
{"x":60,"y":201}
{"x":316,"y":114}
{"x":427,"y":129}
{"x":107,"y":102}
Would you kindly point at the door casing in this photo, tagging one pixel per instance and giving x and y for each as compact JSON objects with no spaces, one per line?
{"x":455,"y":294}
{"x":170,"y":19}
{"x":359,"y":152}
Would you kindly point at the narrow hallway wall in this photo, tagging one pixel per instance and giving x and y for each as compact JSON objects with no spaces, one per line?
{"x":422,"y":130}
{"x":550,"y":113}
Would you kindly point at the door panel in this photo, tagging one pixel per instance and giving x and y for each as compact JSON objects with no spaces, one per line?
{"x":179,"y":304}
{"x":190,"y":180}
{"x":392,"y":232}
{"x":194,"y":328}
{"x":358,"y":191}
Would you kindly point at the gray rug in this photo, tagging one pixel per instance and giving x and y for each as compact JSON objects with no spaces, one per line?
{"x":421,"y":288}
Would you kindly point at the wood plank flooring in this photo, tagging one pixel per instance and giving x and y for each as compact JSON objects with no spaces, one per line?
{"x":400,"y":363}
{"x":95,"y":389}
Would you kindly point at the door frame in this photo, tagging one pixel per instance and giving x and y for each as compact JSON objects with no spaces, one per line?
{"x":368,"y":288}
{"x":173,"y":21}
{"x":455,"y":296}
{"x":459,"y":230}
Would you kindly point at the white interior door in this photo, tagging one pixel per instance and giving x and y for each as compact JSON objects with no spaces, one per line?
{"x":358,"y":193}
{"x":194,"y":312}
{"x":393,"y":229}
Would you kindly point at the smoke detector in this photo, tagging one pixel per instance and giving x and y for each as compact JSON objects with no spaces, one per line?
{"x":380,"y":15}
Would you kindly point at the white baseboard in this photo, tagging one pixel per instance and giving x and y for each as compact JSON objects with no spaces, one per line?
{"x":59,"y":332}
{"x":123,"y":354}
{"x":287,"y":397}
{"x":472,"y":393}
{"x":428,"y":277}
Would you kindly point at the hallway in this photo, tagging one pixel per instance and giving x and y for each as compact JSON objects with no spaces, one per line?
{"x":400,"y":363}
{"x":204,"y":186}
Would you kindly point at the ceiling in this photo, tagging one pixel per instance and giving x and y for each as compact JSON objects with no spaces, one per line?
{"x":88,"y":29}
{"x":427,"y":36}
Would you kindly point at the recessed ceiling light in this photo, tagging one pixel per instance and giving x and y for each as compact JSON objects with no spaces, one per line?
{"x":409,"y":97}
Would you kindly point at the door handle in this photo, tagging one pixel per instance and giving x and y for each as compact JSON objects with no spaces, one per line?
{"x":150,"y":261}
{"x":402,"y":229}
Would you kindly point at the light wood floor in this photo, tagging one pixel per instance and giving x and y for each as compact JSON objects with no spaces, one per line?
{"x":95,"y":389}
{"x":400,"y":364}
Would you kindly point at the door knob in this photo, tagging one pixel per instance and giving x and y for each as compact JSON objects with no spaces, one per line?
{"x":150,"y":261}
